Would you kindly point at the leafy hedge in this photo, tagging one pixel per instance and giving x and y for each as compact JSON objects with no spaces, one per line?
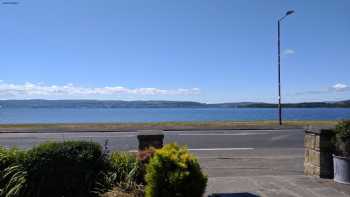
{"x":174,"y":172}
{"x":57,"y":169}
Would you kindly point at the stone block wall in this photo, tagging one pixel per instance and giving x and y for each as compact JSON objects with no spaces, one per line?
{"x":150,"y":138}
{"x":318,"y":153}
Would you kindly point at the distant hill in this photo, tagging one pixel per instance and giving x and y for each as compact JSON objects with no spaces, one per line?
{"x":96,"y":104}
{"x":342,"y":104}
{"x":158,"y":104}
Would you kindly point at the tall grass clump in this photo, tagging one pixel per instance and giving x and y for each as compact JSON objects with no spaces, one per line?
{"x":123,"y":164}
{"x":9,"y":160}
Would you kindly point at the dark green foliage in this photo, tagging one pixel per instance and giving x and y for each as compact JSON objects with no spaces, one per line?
{"x":174,"y":172}
{"x":64,"y":169}
{"x":343,"y":129}
{"x":83,"y":169}
{"x":57,"y":169}
{"x":69,"y":169}
{"x":342,"y":138}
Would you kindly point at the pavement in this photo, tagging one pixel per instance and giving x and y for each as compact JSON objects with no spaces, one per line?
{"x":275,"y":186}
{"x":239,"y":163}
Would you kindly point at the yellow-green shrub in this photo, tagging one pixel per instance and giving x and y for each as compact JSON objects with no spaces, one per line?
{"x":174,"y":172}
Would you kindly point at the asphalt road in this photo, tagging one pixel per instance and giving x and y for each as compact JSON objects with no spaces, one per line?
{"x":221,"y":152}
{"x":213,"y":139}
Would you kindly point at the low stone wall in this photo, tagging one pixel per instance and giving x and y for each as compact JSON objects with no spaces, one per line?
{"x":318,"y":152}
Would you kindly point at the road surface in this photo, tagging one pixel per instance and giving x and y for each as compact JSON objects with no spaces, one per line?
{"x":221,"y":152}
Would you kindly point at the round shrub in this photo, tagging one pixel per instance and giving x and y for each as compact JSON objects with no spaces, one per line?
{"x":174,"y":172}
{"x":68,"y":169}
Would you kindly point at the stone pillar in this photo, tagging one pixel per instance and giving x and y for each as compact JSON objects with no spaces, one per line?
{"x":318,"y":152}
{"x":150,"y":138}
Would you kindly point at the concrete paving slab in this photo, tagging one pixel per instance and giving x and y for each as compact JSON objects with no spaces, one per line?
{"x":252,"y":162}
{"x":329,"y":192}
{"x":279,"y":186}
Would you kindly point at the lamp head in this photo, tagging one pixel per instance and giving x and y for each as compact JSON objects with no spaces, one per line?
{"x":10,"y":3}
{"x":289,"y":12}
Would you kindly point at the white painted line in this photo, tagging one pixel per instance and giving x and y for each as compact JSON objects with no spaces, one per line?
{"x":63,"y":135}
{"x":84,"y":136}
{"x":223,"y":134}
{"x":281,"y":137}
{"x":115,"y":136}
{"x":208,"y":149}
{"x":218,"y":149}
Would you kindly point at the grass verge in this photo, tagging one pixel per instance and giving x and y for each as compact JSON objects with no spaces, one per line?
{"x":108,"y":127}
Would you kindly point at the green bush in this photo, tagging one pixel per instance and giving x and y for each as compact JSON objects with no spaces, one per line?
{"x":342,"y":138}
{"x":174,"y":172}
{"x":57,"y":169}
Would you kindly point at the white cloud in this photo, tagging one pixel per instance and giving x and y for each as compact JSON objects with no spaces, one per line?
{"x":39,"y":89}
{"x":288,"y":52}
{"x":340,"y":87}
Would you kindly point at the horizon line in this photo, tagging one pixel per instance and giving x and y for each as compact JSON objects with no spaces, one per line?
{"x":207,"y":103}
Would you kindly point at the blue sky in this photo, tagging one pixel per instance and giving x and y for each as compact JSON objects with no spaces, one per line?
{"x":199,"y":50}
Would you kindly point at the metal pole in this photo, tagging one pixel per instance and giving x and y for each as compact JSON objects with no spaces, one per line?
{"x":279,"y":77}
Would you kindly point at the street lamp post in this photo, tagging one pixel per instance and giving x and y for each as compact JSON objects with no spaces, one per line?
{"x":279,"y":66}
